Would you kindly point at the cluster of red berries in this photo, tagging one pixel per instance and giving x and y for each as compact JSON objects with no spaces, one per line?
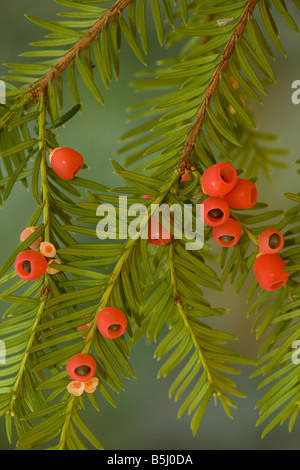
{"x":31,"y":265}
{"x":225,"y":190}
{"x":112,"y":324}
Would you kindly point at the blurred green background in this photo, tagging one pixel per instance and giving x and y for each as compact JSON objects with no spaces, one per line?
{"x":145,"y":418}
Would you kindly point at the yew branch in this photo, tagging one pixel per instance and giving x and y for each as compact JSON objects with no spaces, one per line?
{"x":221,"y":67}
{"x":40,"y":88}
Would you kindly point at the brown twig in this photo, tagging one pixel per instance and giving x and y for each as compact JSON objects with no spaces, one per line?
{"x":227,"y":53}
{"x":40,"y":88}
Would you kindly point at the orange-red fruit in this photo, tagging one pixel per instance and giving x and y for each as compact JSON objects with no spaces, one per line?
{"x":30,"y":265}
{"x":268,"y":271}
{"x":157,"y":234}
{"x":111,"y":322}
{"x":227,"y":234}
{"x":270,"y":241}
{"x":186,"y":178}
{"x":219,"y":179}
{"x":66,"y":162}
{"x":243,"y":196}
{"x":85,"y":327}
{"x":26,"y":233}
{"x":214,"y":211}
{"x":81,"y":367}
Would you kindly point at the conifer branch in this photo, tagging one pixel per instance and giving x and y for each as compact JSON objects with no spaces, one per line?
{"x":44,"y":175}
{"x":16,"y":390}
{"x":49,"y":325}
{"x":115,"y":275}
{"x":179,"y":303}
{"x":72,"y":402}
{"x":40,"y":88}
{"x":221,"y":67}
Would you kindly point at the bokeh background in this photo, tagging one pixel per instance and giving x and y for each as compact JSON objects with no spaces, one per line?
{"x":145,"y":418}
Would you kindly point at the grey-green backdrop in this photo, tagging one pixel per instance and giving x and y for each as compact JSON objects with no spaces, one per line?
{"x":145,"y":418}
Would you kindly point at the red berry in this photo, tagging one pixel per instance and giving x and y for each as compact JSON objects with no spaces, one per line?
{"x":186,"y":177}
{"x":111,"y":322}
{"x":268,"y":271}
{"x":65,"y":162}
{"x":219,"y":179}
{"x":227,"y":234}
{"x":86,"y":326}
{"x":158,"y":236}
{"x":81,"y":367}
{"x":270,"y":241}
{"x":214,"y":211}
{"x":30,"y":265}
{"x":243,"y":196}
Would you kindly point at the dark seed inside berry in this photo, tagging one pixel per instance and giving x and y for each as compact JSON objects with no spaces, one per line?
{"x":274,"y":241}
{"x":114,"y":327}
{"x":226,"y":238}
{"x":215,"y":213}
{"x":82,"y":370}
{"x":26,"y":266}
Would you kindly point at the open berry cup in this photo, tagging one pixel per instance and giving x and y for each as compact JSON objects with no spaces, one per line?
{"x":81,"y":367}
{"x":111,"y":322}
{"x":227,"y":234}
{"x":219,"y":179}
{"x":214,"y":211}
{"x":30,"y":265}
{"x":270,"y":241}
